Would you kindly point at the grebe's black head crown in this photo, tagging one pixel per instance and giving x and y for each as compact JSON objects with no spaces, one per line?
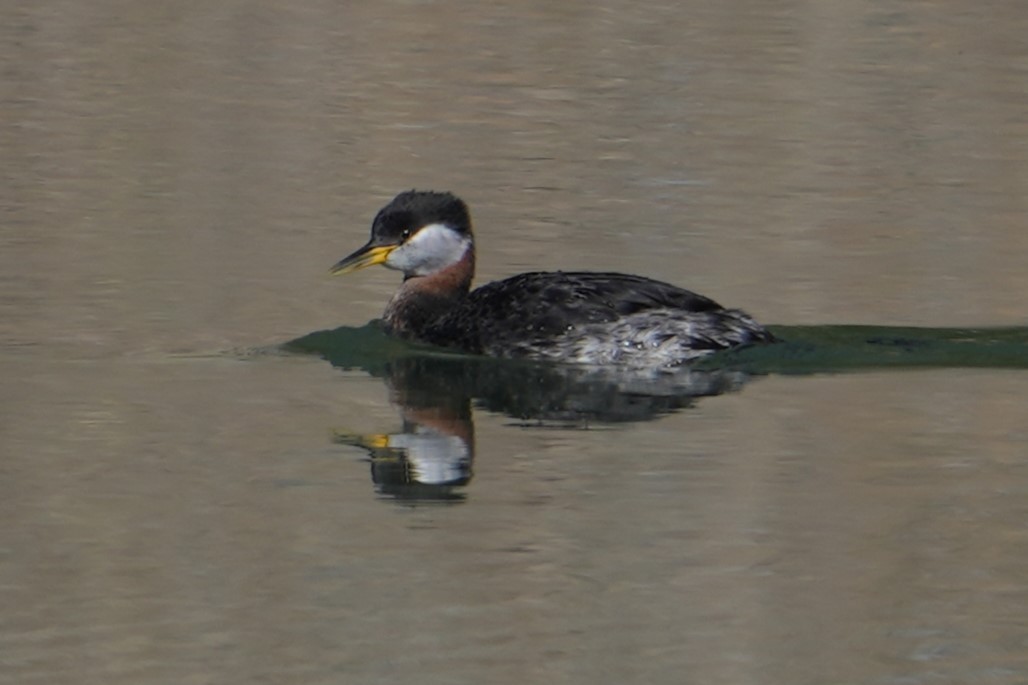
{"x":418,"y":232}
{"x":414,"y":209}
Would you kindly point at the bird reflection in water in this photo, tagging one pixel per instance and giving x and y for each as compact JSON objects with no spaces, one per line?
{"x":431,"y":458}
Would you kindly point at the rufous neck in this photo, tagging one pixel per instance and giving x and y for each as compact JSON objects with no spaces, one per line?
{"x":452,"y":281}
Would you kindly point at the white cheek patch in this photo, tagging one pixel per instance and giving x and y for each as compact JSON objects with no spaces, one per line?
{"x":431,"y":249}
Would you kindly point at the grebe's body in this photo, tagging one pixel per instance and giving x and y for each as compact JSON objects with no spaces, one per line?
{"x":572,"y":317}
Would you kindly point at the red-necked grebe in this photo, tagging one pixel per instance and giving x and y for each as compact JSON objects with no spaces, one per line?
{"x":573,"y":317}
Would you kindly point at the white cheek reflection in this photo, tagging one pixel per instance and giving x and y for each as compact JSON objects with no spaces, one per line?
{"x":435,"y":458}
{"x":432,"y":248}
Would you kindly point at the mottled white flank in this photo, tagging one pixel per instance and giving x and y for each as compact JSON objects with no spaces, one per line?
{"x":433,"y":248}
{"x":657,"y":338}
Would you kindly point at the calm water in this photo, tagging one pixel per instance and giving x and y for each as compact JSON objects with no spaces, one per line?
{"x":183,"y":502}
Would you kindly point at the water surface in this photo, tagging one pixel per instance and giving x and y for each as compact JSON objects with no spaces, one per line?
{"x":182,"y":502}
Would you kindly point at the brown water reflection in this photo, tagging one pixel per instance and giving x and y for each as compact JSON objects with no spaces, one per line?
{"x":177,"y":178}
